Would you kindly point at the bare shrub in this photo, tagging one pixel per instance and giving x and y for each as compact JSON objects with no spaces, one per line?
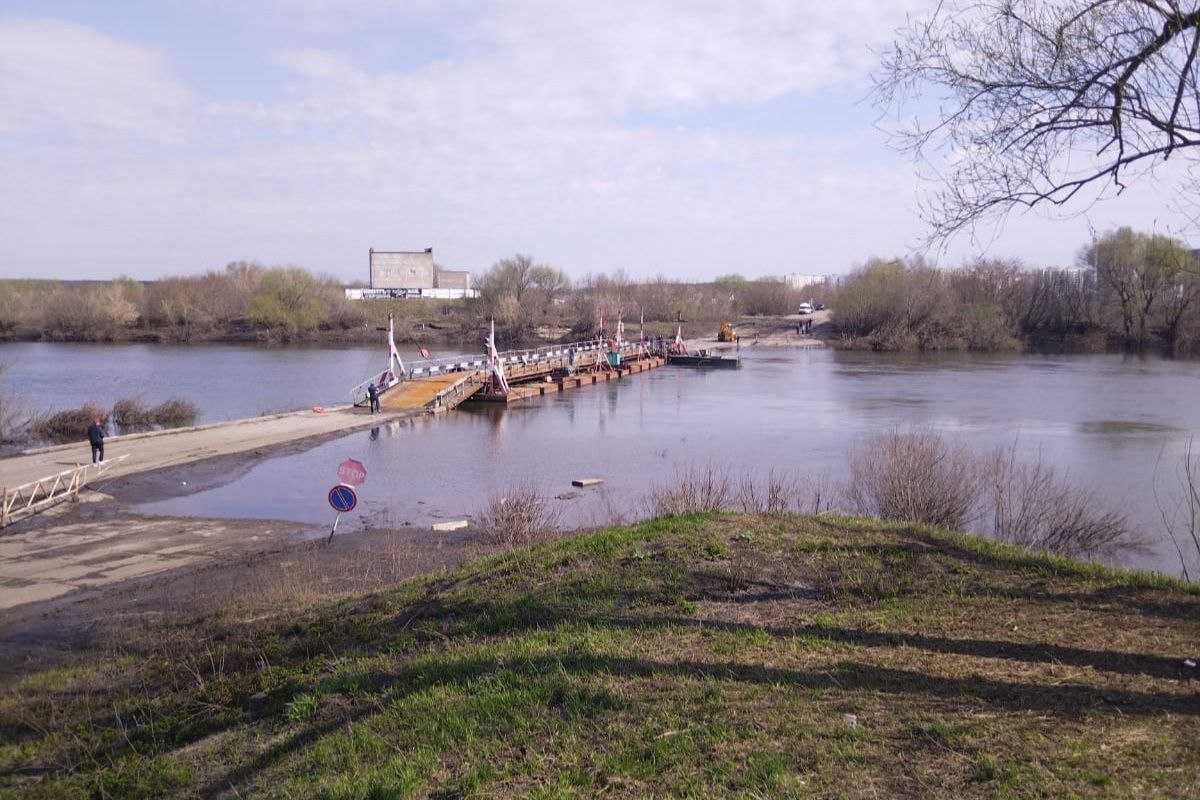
{"x":698,"y":490}
{"x":181,"y":301}
{"x":774,"y":496}
{"x":517,"y":516}
{"x":914,"y":476}
{"x":811,"y":495}
{"x":1032,"y":506}
{"x":131,"y":414}
{"x":175,"y":413}
{"x":1181,"y":519}
{"x":69,"y":425}
{"x":15,"y":305}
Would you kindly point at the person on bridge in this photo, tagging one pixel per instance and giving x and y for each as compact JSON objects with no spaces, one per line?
{"x":373,"y":394}
{"x":96,"y":437}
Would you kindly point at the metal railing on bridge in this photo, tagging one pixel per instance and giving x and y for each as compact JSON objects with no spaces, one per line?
{"x":440,"y":366}
{"x":31,"y":498}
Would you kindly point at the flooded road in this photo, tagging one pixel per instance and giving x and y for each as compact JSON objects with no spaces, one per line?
{"x":1103,"y":420}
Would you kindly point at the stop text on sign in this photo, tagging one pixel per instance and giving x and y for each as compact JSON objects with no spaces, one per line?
{"x":352,"y":472}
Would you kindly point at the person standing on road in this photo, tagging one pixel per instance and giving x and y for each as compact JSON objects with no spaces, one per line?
{"x":96,"y":438}
{"x":373,"y":394}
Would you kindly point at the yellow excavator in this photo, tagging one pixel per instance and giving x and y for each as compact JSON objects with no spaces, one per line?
{"x":726,"y":333}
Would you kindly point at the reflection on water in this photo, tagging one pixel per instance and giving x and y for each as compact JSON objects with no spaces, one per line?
{"x":1102,"y":420}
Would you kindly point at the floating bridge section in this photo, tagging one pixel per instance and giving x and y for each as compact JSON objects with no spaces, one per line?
{"x":440,"y":385}
{"x":40,"y":478}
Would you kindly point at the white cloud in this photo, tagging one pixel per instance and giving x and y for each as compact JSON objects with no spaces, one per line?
{"x":68,"y":81}
{"x":577,"y":131}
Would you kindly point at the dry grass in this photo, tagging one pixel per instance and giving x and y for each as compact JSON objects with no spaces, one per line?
{"x":780,"y":492}
{"x":516,"y":516}
{"x":695,"y":490}
{"x":772,"y":497}
{"x":705,"y":489}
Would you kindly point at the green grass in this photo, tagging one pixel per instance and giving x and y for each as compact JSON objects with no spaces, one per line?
{"x":724,"y":656}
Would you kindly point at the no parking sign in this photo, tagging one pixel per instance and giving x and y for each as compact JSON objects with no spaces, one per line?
{"x":343,"y":498}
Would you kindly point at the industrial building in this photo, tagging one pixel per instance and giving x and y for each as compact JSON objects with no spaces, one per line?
{"x":411,"y":274}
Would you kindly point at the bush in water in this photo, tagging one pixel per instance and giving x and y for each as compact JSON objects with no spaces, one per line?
{"x":914,"y":476}
{"x":176,"y":413}
{"x":131,"y":414}
{"x":1032,"y":506}
{"x":70,"y":425}
{"x":517,"y":516}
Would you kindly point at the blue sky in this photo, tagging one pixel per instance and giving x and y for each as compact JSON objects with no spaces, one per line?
{"x":688,"y":138}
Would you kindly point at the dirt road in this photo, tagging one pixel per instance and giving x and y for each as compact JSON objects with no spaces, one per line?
{"x":92,"y":544}
{"x":772,"y":332}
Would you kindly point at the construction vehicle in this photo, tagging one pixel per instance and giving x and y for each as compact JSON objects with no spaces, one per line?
{"x":726,"y":333}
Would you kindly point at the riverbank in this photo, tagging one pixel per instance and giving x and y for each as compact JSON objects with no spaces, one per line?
{"x":436,"y":331}
{"x":97,"y":573}
{"x":715,"y":656}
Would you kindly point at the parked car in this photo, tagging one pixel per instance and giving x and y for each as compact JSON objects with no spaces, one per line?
{"x":806,"y":308}
{"x":819,"y":306}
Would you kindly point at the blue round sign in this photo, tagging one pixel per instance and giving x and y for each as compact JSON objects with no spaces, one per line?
{"x":343,"y":498}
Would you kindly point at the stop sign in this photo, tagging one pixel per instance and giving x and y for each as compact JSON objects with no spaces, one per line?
{"x":352,"y":472}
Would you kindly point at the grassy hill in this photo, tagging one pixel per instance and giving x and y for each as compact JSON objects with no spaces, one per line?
{"x":723,"y":656}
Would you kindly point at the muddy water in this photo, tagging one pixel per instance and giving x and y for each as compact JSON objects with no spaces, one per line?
{"x":1104,"y":420}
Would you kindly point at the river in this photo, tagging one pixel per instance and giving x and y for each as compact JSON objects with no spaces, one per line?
{"x":1103,"y":420}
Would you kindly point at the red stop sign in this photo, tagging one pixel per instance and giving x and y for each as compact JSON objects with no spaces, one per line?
{"x":352,"y":472}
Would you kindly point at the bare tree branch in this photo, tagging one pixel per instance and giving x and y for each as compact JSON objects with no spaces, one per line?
{"x":1023,"y":103}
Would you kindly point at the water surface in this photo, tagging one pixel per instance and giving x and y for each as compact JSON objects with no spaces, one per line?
{"x":224,"y":381}
{"x":1104,"y":420}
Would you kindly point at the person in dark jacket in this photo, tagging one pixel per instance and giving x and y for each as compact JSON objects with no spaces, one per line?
{"x":96,"y":438}
{"x":373,"y":394}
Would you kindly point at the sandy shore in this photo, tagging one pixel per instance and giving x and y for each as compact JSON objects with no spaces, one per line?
{"x":771,"y":332}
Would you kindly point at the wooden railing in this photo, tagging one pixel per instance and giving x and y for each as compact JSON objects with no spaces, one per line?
{"x":34,"y":497}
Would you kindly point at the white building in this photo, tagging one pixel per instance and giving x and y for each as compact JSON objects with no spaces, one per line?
{"x":798,"y":280}
{"x":402,"y":274}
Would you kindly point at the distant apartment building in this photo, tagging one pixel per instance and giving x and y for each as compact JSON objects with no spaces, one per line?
{"x":411,"y":274}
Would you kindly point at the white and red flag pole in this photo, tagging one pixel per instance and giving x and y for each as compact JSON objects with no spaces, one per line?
{"x":494,"y":360}
{"x":393,"y":353}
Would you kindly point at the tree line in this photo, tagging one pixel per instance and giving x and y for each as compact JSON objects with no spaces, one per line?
{"x":280,"y":302}
{"x":1128,"y":290}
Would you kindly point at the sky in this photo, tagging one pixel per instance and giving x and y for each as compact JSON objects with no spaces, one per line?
{"x":690,"y":139}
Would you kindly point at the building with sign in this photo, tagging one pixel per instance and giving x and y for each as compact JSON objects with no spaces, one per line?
{"x":402,"y":269}
{"x":404,"y":274}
